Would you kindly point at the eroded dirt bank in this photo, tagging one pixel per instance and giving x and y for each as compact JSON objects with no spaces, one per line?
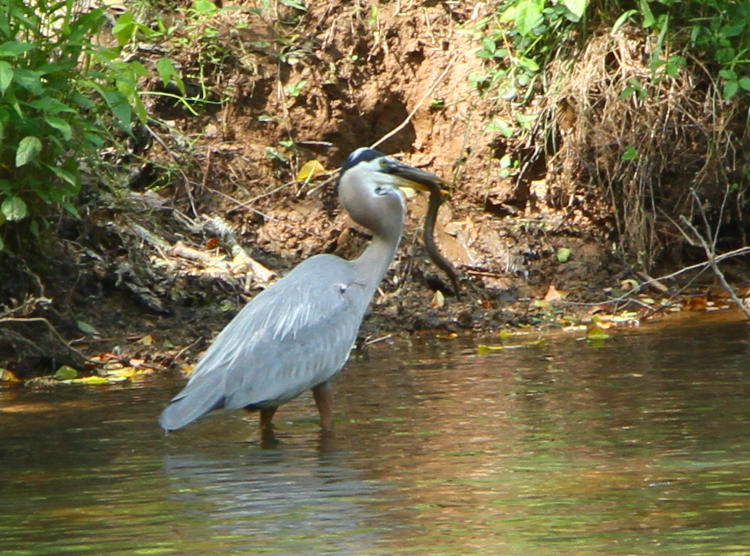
{"x":213,"y":207}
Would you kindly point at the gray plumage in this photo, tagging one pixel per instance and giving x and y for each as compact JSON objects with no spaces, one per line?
{"x":298,"y":333}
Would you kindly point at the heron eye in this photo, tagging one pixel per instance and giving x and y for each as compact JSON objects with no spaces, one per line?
{"x":382,"y":190}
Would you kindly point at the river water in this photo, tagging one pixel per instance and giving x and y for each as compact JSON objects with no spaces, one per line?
{"x":637,"y":445}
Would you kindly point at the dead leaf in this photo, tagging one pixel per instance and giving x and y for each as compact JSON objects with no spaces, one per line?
{"x":553,"y":294}
{"x":309,"y":170}
{"x":697,"y":303}
{"x":8,"y":376}
{"x":438,"y":300}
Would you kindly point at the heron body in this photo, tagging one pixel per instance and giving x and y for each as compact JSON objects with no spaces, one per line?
{"x":298,"y":333}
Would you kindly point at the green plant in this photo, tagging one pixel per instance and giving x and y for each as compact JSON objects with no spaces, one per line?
{"x":60,"y":95}
{"x":295,"y":89}
{"x":717,"y":32}
{"x":520,"y":39}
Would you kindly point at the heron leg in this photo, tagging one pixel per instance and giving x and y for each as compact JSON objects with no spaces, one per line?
{"x":267,"y":436}
{"x":323,"y":394}
{"x":266,"y":414}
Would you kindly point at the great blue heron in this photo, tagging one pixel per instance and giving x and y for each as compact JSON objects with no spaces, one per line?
{"x":298,"y":333}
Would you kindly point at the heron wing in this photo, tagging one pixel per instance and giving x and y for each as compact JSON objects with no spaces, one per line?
{"x":295,"y":334}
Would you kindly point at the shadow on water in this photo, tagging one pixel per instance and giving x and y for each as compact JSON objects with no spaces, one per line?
{"x":638,"y":446}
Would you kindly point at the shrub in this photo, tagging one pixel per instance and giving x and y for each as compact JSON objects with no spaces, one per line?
{"x":60,"y":94}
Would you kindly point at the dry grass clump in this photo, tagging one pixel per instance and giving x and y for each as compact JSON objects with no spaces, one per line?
{"x":637,"y":140}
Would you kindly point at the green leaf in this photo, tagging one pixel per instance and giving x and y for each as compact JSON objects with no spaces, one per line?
{"x":526,"y":119}
{"x":730,"y":89}
{"x":528,"y":64}
{"x":66,"y":372}
{"x":66,"y":177}
{"x":125,"y":28}
{"x":29,"y":80}
{"x":733,"y":29}
{"x":629,"y":153}
{"x":60,"y":125}
{"x":296,"y":5}
{"x":167,"y":72}
{"x":6,"y":76}
{"x":120,"y":107}
{"x":502,"y":126}
{"x":205,"y":7}
{"x":165,"y":69}
{"x":86,"y":328}
{"x":621,"y":21}
{"x":563,"y":254}
{"x":2,"y":243}
{"x":745,"y":83}
{"x":528,"y":16}
{"x":28,"y":149}
{"x":295,"y":89}
{"x":50,"y":105}
{"x":14,"y":209}
{"x":83,"y":101}
{"x":648,"y":15}
{"x":13,"y":49}
{"x":576,"y":7}
{"x":509,"y":15}
{"x":72,"y":209}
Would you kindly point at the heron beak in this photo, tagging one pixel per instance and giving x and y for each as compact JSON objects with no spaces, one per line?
{"x":411,"y":177}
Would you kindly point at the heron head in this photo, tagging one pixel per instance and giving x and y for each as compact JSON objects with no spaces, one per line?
{"x":368,"y":189}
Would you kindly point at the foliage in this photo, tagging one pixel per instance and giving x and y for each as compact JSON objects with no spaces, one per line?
{"x":521,"y":39}
{"x":60,"y":94}
{"x":524,"y":35}
{"x":716,"y":31}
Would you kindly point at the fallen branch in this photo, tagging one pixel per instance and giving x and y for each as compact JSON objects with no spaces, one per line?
{"x":714,"y":265}
{"x":54,"y":347}
{"x":223,"y":230}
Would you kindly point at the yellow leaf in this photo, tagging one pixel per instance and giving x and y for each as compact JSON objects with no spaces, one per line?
{"x":505,"y":334}
{"x":438,"y":300}
{"x":309,"y":170}
{"x":147,"y":340}
{"x":94,"y":379}
{"x":539,"y":342}
{"x":484,"y":349}
{"x":596,"y":333}
{"x":124,"y":373}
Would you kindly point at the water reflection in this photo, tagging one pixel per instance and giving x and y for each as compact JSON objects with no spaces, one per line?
{"x":280,"y":499}
{"x":637,"y":446}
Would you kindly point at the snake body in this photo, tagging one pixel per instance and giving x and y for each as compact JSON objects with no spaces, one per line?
{"x":436,"y":199}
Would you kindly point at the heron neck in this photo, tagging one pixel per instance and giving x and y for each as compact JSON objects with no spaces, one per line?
{"x":373,"y":263}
